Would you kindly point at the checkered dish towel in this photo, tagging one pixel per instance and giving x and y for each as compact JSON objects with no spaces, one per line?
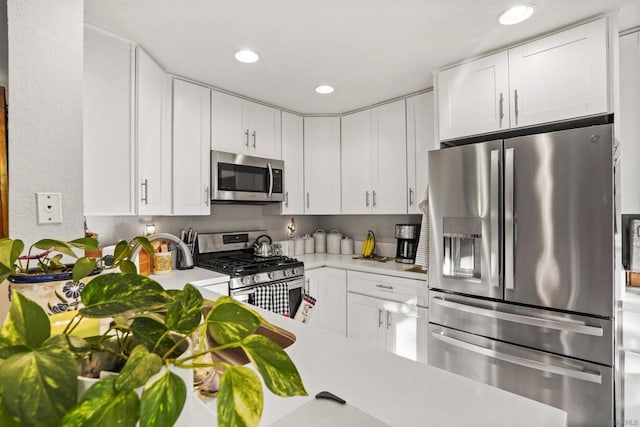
{"x":262,"y":297}
{"x":422,"y":253}
{"x":280,"y":298}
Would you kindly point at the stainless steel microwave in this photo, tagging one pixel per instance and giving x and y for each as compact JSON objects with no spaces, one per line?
{"x":237,"y":177}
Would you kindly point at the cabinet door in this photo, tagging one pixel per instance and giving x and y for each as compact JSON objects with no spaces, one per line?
{"x":329,"y":287}
{"x":356,"y":163}
{"x":191,"y":144}
{"x":629,"y":125}
{"x":401,"y":324}
{"x":227,"y":131}
{"x":109,"y":156}
{"x":366,"y":320}
{"x":264,"y":130}
{"x":322,"y":165}
{"x":560,"y":77}
{"x":420,"y":140}
{"x":631,"y":385}
{"x":389,"y":195}
{"x":473,"y":97}
{"x":293,"y":156}
{"x":153,"y":140}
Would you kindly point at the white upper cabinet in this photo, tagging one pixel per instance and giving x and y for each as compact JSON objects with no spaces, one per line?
{"x":153,"y":138}
{"x":473,"y":97}
{"x":420,"y":140}
{"x":191,"y":145}
{"x":374,"y":150}
{"x":322,"y":165}
{"x":293,"y":156}
{"x":244,"y":127}
{"x":560,"y":77}
{"x":389,"y":195}
{"x":356,"y":163}
{"x":629,"y":125}
{"x":108,"y":141}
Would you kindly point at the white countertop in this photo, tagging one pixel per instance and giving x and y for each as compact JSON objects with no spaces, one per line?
{"x":176,"y":279}
{"x":395,"y":390}
{"x":346,"y":262}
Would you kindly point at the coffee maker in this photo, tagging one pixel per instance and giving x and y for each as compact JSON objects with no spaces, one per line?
{"x":407,"y":236}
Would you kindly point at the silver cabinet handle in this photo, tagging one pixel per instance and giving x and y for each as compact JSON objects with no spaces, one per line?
{"x":384,"y":286}
{"x":583,"y":374}
{"x":145,"y":191}
{"x":380,"y":312}
{"x":366,"y":199}
{"x":307,"y":286}
{"x":286,"y":199}
{"x":501,"y":108}
{"x":307,"y":200}
{"x":388,"y":320}
{"x":494,"y":245}
{"x":573,"y":326}
{"x":270,"y":176}
{"x":509,"y":220}
{"x":515,"y":104}
{"x":410,"y":196}
{"x":246,"y":138}
{"x":254,"y":138}
{"x":206,"y":196}
{"x":374,"y":199}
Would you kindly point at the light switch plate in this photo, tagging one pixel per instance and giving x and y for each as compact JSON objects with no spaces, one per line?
{"x":49,"y":206}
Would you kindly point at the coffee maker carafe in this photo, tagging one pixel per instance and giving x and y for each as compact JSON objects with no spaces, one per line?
{"x":407,"y":236}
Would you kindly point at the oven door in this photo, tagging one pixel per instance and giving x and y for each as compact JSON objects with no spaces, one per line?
{"x":236,"y":177}
{"x":296,"y":293}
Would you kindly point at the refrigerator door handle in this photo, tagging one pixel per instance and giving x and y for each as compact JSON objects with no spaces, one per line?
{"x":583,"y":374}
{"x":573,"y":326}
{"x":494,"y":249}
{"x":509,"y":220}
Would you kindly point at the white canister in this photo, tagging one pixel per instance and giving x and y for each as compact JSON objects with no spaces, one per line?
{"x":298,"y":246}
{"x":309,"y":244}
{"x":346,"y":246}
{"x":333,"y":242}
{"x":320,"y":238}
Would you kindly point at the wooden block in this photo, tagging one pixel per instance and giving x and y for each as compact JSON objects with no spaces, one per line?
{"x":633,"y":279}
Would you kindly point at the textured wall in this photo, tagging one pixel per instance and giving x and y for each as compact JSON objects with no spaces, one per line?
{"x":45,"y":116}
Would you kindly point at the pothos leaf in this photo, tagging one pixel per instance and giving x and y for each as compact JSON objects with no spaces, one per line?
{"x":229,"y":321}
{"x":56,"y":245}
{"x":162,"y":401}
{"x":82,"y":268}
{"x":26,"y":324}
{"x":185,"y":311}
{"x":140,"y":366}
{"x":39,"y":386}
{"x":278,"y":371}
{"x":102,"y":406}
{"x":240,"y":398}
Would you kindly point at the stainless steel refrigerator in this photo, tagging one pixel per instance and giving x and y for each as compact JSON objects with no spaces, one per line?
{"x":521,"y":267}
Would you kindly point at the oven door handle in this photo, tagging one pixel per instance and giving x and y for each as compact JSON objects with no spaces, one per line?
{"x":270,"y":179}
{"x":291,"y":284}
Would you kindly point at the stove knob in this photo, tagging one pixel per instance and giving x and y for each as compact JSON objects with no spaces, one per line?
{"x":256,"y":278}
{"x":272,"y":275}
{"x":246,"y":280}
{"x":297,"y":271}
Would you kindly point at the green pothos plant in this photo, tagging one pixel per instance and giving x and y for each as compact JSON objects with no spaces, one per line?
{"x":148,"y":329}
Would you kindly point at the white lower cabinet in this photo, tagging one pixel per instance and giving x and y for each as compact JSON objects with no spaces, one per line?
{"x":329,"y":287}
{"x":383,"y":312}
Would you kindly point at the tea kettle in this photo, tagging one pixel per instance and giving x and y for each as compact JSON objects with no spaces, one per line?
{"x":262,"y":247}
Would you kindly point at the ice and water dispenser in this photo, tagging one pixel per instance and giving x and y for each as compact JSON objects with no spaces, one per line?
{"x":462,"y":248}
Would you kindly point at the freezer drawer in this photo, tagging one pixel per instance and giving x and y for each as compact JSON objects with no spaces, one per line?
{"x":583,"y":337}
{"x":584,"y":390}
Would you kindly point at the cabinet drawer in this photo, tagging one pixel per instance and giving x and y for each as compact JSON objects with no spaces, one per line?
{"x":398,"y":289}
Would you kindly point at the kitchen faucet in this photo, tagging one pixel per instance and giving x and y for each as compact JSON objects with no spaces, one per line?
{"x":184,"y":262}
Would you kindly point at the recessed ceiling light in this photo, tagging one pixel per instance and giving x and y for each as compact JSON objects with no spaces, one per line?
{"x":247,"y":56}
{"x":516,"y":14}
{"x":324,"y":89}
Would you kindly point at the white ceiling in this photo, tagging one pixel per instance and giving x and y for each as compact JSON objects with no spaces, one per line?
{"x":369,"y":50}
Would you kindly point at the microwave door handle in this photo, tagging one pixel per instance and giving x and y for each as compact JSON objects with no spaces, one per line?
{"x":270,"y":179}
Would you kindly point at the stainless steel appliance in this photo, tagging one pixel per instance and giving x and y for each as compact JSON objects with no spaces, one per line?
{"x":236,"y":177}
{"x":232,"y":253}
{"x":521,"y":267}
{"x":407,"y":245}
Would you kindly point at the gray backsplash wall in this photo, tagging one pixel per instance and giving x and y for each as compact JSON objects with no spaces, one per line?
{"x":249,"y":217}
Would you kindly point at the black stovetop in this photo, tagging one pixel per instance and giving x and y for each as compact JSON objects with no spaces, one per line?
{"x":237,"y":264}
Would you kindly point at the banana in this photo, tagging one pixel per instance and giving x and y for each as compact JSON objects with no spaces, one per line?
{"x":369,"y":244}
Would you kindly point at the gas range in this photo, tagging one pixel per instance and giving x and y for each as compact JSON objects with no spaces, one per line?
{"x":232,"y":254}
